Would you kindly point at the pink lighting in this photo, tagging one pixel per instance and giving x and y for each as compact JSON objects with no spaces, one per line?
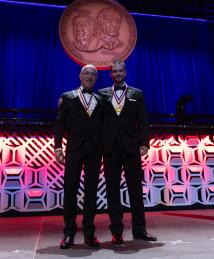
{"x":179,"y":189}
{"x":178,"y":171}
{"x":193,"y":142}
{"x":35,"y":193}
{"x":211,"y":188}
{"x":13,"y":171}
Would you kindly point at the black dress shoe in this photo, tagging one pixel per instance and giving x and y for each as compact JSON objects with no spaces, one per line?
{"x":67,"y":242}
{"x":145,"y":236}
{"x":91,"y":241}
{"x":117,"y":239}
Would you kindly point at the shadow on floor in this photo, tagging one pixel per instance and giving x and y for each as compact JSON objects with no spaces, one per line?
{"x":81,"y":250}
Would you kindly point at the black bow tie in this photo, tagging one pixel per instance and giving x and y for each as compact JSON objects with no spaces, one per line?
{"x":89,"y":91}
{"x":118,"y":87}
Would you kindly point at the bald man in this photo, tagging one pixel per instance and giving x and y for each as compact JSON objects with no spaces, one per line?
{"x":79,"y":116}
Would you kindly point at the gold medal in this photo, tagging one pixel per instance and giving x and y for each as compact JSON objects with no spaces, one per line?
{"x":119,"y":100}
{"x":118,"y":108}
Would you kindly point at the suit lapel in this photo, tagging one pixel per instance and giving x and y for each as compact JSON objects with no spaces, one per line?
{"x":129,"y":93}
{"x":97,"y":105}
{"x":126,"y":103}
{"x":78,"y":103}
{"x":110,"y":107}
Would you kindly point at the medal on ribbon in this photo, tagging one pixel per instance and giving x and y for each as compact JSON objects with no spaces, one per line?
{"x":118,"y":100}
{"x":84,"y":101}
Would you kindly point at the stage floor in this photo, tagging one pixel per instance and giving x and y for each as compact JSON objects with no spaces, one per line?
{"x":181,"y":234}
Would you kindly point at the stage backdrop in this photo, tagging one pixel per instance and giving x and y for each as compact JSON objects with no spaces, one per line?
{"x":173,"y":57}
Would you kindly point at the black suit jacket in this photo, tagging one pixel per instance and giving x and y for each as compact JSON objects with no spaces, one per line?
{"x":73,"y":120}
{"x":131,"y":125}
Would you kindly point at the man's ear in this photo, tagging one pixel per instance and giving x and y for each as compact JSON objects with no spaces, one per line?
{"x":60,"y":101}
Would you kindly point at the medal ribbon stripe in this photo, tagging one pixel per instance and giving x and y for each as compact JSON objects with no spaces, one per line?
{"x":118,"y":107}
{"x":86,"y":104}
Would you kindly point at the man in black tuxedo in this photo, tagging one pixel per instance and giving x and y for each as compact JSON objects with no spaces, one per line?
{"x":126,"y":138}
{"x":80,"y":117}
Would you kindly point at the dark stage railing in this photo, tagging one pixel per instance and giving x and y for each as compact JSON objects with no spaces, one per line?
{"x":41,"y":117}
{"x":11,"y":116}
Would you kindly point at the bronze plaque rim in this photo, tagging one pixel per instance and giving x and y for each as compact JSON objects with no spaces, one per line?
{"x":65,"y":16}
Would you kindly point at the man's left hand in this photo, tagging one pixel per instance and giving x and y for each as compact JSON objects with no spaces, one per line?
{"x":143,"y":150}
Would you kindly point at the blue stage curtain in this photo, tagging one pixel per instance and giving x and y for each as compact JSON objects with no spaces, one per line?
{"x":173,"y":57}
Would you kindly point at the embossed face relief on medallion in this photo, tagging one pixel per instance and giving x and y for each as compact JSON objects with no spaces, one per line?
{"x":97,"y":32}
{"x":84,"y":32}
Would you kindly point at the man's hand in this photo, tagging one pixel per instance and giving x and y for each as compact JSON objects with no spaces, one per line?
{"x":143,"y":150}
{"x":59,"y":156}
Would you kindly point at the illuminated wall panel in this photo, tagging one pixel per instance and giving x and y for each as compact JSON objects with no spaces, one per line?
{"x":178,"y":171}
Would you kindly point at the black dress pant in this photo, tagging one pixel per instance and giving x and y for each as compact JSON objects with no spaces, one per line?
{"x":91,"y":159}
{"x":113,"y":163}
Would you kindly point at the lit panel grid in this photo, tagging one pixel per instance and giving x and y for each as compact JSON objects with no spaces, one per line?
{"x":177,"y":171}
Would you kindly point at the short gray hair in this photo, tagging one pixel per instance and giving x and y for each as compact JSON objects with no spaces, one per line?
{"x":117,"y":62}
{"x":88,"y":65}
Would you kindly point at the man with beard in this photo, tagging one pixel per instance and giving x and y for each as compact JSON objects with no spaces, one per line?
{"x":126,"y":138}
